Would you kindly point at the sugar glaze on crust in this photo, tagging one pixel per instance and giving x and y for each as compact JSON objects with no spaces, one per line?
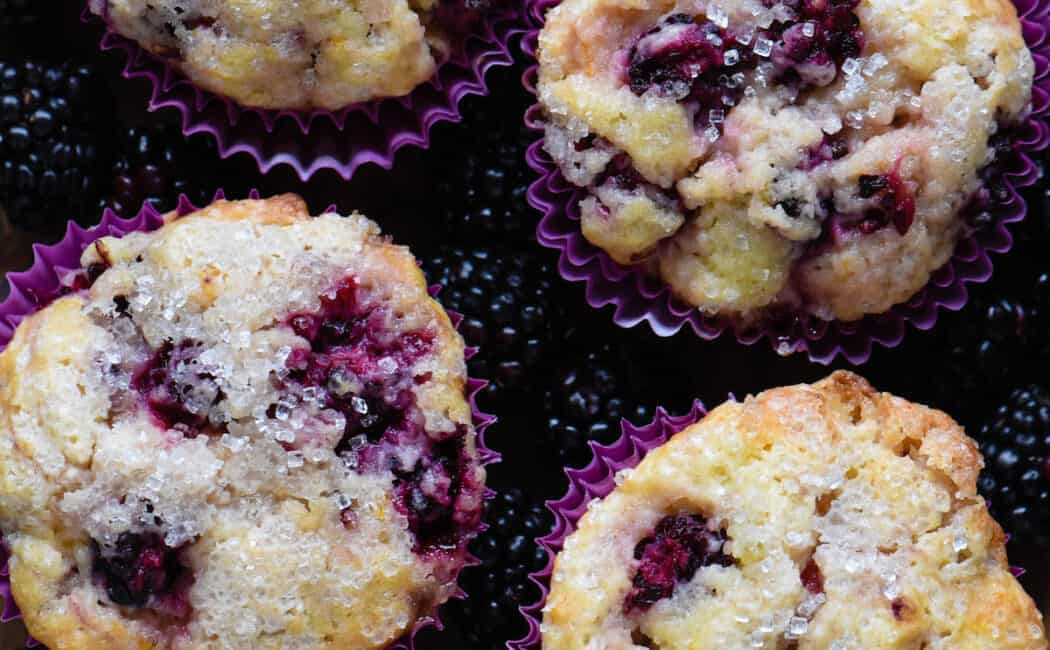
{"x":308,"y":54}
{"x":248,"y":429}
{"x":808,"y":156}
{"x":822,"y":516}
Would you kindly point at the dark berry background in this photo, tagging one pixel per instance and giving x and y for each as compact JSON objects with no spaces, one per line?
{"x":74,"y":136}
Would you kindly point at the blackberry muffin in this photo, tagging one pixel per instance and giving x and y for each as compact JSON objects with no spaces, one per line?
{"x":813,"y":516}
{"x":247,"y":429}
{"x":804,"y":155}
{"x":311,"y":54}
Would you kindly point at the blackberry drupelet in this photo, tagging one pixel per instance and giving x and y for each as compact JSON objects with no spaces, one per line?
{"x":481,"y":177}
{"x":1004,"y":329}
{"x":509,"y":312}
{"x":1016,"y":478}
{"x":586,"y":400}
{"x":156,"y":165}
{"x":52,"y":126}
{"x":1003,"y":332}
{"x":508,"y":553}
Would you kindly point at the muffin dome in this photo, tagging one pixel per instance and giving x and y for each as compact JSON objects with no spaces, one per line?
{"x":247,"y":429}
{"x":818,"y":157}
{"x":310,"y":54}
{"x":815,"y":516}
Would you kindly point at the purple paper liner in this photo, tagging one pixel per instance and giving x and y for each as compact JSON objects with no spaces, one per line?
{"x":595,"y":481}
{"x":47,"y":280}
{"x":636,"y":297}
{"x":343,"y":140}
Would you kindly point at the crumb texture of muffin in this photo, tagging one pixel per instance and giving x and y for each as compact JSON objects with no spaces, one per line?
{"x":308,"y":54}
{"x":811,"y":155}
{"x":813,"y":516}
{"x":247,"y":429}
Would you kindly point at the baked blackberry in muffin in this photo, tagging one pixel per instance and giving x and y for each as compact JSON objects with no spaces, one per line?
{"x":813,"y":516}
{"x":815,"y":156}
{"x":247,"y":429}
{"x":312,"y":54}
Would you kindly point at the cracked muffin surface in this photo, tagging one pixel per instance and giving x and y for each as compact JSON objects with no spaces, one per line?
{"x":246,"y":429}
{"x":814,"y":516}
{"x":307,"y":54}
{"x":818,"y":156}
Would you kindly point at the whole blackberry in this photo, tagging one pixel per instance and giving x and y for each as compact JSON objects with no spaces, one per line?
{"x":1003,"y":332}
{"x":481,"y":177}
{"x":509,"y":312}
{"x":1016,"y":477}
{"x":156,"y":165}
{"x":508,"y":553}
{"x":51,"y":126}
{"x":586,"y":400}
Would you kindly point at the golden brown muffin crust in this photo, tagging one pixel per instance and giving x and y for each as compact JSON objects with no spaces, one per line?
{"x":844,"y":518}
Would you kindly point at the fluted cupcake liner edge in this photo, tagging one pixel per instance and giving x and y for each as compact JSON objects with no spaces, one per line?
{"x":636,"y":297}
{"x":587,"y":484}
{"x":47,"y":279}
{"x":343,"y":140}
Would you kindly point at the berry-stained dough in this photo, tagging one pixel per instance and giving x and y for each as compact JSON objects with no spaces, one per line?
{"x":245,"y":429}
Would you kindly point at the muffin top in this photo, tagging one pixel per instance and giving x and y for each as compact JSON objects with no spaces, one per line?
{"x":814,"y":516}
{"x":821,"y":156}
{"x":307,"y":54}
{"x":247,"y":429}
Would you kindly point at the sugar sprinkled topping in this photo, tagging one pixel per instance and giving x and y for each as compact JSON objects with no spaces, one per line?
{"x":891,"y":589}
{"x":295,"y":459}
{"x":718,"y":16}
{"x":234,"y":443}
{"x":745,"y":35}
{"x":874,"y":63}
{"x":796,"y":627}
{"x":763,"y":46}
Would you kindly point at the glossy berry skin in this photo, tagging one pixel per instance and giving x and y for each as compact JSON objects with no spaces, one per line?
{"x":51,"y":130}
{"x":1003,"y":333}
{"x":507,"y":553}
{"x":1015,"y":443}
{"x":156,"y":165}
{"x":509,"y":312}
{"x":480,"y":179}
{"x":586,"y":401}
